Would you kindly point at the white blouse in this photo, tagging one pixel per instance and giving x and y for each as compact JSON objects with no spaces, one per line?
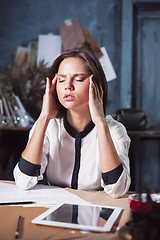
{"x":72,"y":159}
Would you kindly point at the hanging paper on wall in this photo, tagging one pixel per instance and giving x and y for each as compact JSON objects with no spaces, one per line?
{"x":107,"y":65}
{"x":49,"y":48}
{"x":91,"y":44}
{"x":72,"y":35}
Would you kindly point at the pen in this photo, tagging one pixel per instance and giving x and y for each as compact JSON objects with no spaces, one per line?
{"x":16,"y":203}
{"x":18,"y":227}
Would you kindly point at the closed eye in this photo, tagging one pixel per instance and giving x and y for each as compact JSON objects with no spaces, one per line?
{"x":80,"y":78}
{"x":76,"y":77}
{"x":60,"y":79}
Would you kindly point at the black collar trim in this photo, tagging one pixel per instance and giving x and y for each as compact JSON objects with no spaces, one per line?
{"x":76,"y":134}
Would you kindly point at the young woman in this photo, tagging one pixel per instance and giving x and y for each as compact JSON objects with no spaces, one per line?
{"x":72,"y":140}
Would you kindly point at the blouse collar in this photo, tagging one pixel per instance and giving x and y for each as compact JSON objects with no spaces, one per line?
{"x":76,"y":134}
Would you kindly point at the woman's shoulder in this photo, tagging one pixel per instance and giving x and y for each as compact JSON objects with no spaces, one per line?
{"x":55,"y":123}
{"x":111,"y":121}
{"x":54,"y":128}
{"x":115,"y":127}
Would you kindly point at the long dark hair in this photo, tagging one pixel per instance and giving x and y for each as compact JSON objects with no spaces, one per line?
{"x":93,"y":66}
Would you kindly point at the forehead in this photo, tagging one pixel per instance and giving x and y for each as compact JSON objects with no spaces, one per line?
{"x":72,"y":65}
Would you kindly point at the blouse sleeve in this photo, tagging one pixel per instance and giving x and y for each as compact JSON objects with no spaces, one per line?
{"x":116,"y":187}
{"x":26,"y":174}
{"x":113,"y":175}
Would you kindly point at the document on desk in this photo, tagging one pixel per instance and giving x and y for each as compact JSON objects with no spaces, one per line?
{"x":41,"y":195}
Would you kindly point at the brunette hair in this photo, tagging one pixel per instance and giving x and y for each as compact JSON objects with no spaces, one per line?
{"x":93,"y":66}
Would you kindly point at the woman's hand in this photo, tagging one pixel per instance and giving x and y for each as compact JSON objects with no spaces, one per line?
{"x":33,"y":150}
{"x":96,"y":102}
{"x":49,"y":107}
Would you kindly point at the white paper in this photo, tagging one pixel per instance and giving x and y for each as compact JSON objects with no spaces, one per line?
{"x":49,"y":48}
{"x":1,"y":107}
{"x":42,"y":195}
{"x":107,"y":65}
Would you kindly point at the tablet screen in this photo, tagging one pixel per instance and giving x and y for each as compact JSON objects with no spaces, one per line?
{"x":89,"y":217}
{"x":80,"y":214}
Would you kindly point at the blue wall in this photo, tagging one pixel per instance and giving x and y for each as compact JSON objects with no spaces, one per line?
{"x":21,"y":21}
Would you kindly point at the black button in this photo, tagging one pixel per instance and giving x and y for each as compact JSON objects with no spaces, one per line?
{"x":37,"y":172}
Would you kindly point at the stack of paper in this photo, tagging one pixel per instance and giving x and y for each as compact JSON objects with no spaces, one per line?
{"x":42,"y":195}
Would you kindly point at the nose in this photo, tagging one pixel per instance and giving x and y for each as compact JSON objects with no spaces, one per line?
{"x":69,"y":85}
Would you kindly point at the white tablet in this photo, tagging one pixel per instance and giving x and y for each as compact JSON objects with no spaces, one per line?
{"x":84,"y":217}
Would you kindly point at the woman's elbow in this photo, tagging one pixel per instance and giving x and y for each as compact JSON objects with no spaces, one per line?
{"x":23,"y":181}
{"x":118,"y":189}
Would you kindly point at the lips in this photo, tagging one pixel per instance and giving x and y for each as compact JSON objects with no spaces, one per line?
{"x":69,"y":97}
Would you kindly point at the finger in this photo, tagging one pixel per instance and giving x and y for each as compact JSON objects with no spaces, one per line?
{"x":47,"y":85}
{"x":94,"y":88}
{"x":53,"y":84}
{"x":101,"y":92}
{"x":54,"y":80}
{"x":91,"y":85}
{"x":98,"y":92}
{"x":90,"y":80}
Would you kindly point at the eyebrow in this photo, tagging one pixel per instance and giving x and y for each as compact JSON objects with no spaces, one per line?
{"x":61,"y":75}
{"x":74,"y":75}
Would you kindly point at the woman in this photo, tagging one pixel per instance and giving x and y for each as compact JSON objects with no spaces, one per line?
{"x":72,"y":140}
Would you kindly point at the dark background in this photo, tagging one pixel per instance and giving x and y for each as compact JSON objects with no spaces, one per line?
{"x":22,"y":22}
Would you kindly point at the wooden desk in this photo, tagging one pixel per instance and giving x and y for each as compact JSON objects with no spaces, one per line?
{"x":9,"y":217}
